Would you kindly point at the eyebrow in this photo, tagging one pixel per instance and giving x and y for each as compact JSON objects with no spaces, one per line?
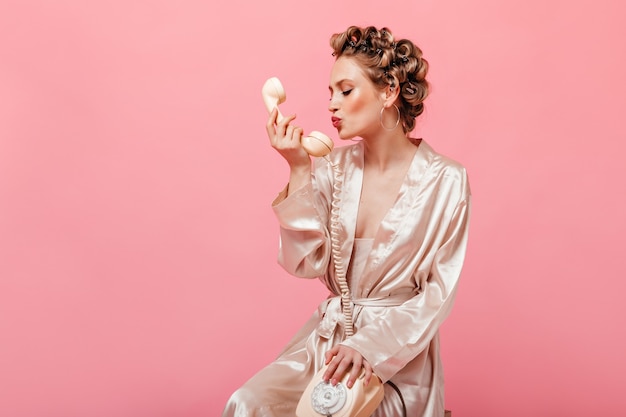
{"x":340,"y":82}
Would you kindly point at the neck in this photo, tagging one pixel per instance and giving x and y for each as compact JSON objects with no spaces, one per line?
{"x":387,"y":152}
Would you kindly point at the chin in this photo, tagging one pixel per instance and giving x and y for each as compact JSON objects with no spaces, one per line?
{"x":345,"y":135}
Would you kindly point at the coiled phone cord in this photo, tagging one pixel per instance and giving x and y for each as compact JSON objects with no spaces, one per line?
{"x":335,"y":243}
{"x":340,"y":272}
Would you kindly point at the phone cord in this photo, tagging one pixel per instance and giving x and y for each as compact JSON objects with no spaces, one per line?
{"x":340,"y":272}
{"x":395,"y":387}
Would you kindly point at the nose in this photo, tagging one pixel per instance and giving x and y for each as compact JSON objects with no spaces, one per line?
{"x":332,"y":105}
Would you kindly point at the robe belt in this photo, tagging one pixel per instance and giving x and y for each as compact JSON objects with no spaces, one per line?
{"x":332,"y":316}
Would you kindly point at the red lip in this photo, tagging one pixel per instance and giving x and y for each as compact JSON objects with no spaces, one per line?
{"x":336,"y":121}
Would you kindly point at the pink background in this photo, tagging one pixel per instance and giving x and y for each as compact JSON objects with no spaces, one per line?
{"x":138,"y":271}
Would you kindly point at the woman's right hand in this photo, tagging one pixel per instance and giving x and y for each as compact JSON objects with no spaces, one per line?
{"x":286,"y":139}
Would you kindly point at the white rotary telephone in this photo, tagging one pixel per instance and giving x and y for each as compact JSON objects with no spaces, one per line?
{"x":323,"y":399}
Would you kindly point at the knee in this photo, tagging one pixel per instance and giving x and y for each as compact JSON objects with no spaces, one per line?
{"x":243,"y":395}
{"x":241,"y":403}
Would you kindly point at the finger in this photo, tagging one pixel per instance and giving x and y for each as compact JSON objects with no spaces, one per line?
{"x":283,"y":125}
{"x":284,"y":122}
{"x":329,"y":355}
{"x":342,"y":368}
{"x":369,"y":373}
{"x":289,"y":132}
{"x":332,"y":366}
{"x":355,"y":371}
{"x":274,"y":115}
{"x":298,"y":132}
{"x":272,"y":120}
{"x":270,"y":126}
{"x":272,"y":137}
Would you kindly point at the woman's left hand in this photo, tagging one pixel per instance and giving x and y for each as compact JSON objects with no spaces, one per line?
{"x":341,"y":359}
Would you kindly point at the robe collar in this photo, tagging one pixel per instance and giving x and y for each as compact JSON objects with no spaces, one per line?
{"x":351,"y":193}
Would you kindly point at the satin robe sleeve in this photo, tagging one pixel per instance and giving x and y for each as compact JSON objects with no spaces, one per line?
{"x":304,"y":245}
{"x":401,"y":333}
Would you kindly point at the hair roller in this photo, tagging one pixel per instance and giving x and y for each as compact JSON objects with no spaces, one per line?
{"x":388,"y":62}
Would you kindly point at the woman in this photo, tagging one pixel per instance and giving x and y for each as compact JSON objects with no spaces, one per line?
{"x":403,"y":224}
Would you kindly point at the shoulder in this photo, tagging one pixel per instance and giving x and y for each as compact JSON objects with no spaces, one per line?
{"x":448,"y":170}
{"x":440,"y":160}
{"x":441,"y":163}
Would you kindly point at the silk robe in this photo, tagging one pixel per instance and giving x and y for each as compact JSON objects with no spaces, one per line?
{"x":405,"y":292}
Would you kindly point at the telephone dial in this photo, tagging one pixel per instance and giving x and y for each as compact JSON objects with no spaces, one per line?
{"x":322,"y":399}
{"x":315,"y":143}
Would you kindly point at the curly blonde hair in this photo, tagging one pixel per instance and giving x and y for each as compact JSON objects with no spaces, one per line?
{"x":388,"y":63}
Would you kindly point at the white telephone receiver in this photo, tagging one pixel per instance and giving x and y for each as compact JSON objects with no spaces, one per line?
{"x":316,"y":143}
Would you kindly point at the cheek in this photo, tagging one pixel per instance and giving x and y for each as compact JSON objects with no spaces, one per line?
{"x":355,"y":103}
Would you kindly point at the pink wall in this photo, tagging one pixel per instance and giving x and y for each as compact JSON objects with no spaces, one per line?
{"x":137,"y":245}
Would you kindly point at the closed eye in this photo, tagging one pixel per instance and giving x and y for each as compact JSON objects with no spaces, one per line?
{"x":345,"y":93}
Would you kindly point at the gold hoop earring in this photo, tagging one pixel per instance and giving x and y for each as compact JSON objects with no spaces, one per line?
{"x":397,"y":121}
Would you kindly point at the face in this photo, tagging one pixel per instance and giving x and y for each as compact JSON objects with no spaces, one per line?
{"x":354,"y":100}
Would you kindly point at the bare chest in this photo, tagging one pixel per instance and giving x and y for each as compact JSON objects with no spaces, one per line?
{"x":378,"y":194}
